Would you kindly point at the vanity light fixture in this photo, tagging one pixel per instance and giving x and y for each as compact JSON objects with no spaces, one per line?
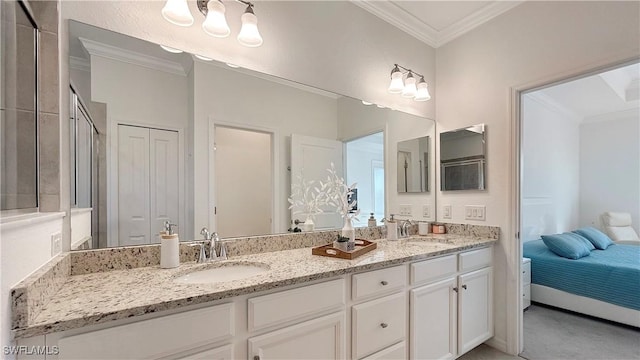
{"x":409,"y":87}
{"x":215,"y":23}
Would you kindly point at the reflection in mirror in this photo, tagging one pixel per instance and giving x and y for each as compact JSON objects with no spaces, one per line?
{"x":199,"y":143}
{"x":462,"y":158}
{"x":413,"y":165}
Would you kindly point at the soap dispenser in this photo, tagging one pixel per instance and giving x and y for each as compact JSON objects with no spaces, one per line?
{"x":169,"y":247}
{"x":392,"y":228}
{"x":372,"y":221}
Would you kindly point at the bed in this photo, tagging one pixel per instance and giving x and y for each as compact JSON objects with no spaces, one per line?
{"x":605,"y":284}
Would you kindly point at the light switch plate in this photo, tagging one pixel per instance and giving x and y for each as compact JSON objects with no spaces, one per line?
{"x":475,"y":212}
{"x":56,"y":244}
{"x":405,"y":210}
{"x":426,"y":211}
{"x":446,"y":212}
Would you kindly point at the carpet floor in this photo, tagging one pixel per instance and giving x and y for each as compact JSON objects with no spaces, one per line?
{"x":551,"y":333}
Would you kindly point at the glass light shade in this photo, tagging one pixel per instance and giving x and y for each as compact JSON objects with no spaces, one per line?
{"x":423,"y":91}
{"x":366,"y":103}
{"x":215,"y":24}
{"x":177,"y":12}
{"x":397,"y":85}
{"x":204,"y":58}
{"x":249,"y":35}
{"x":170,"y":49}
{"x":410,"y":89}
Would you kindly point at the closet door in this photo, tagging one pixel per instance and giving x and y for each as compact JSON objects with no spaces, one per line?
{"x":133,"y":186}
{"x":164,"y":202}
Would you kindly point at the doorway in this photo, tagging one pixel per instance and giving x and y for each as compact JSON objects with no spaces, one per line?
{"x":365,"y":166}
{"x":243,"y":182}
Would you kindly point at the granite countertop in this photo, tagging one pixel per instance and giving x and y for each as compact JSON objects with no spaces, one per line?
{"x":101,"y":297}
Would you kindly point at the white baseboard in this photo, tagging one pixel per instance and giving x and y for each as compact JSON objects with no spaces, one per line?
{"x":498,"y":344}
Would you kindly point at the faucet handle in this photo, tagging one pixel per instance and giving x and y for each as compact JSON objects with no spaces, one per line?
{"x":205,"y":232}
{"x":223,"y":252}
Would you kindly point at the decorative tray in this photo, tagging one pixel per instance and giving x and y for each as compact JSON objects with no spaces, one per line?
{"x":362,"y":247}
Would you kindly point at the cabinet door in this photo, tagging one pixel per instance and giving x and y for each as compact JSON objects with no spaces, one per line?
{"x":321,"y":338}
{"x":475,"y":323}
{"x":220,"y":353}
{"x":433,"y":320}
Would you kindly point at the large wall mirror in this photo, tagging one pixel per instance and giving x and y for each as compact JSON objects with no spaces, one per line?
{"x":414,"y":157}
{"x":462,"y":158}
{"x":202,"y":143}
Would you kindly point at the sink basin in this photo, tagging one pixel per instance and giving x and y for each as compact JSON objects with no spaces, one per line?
{"x":222,"y":272}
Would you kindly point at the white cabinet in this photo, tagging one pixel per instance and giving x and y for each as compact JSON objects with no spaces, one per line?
{"x":475,"y":304}
{"x":220,"y":353}
{"x":451,"y":316}
{"x":378,"y":324}
{"x":393,"y":352}
{"x":434,"y":314}
{"x":321,"y":338}
{"x":526,"y":283}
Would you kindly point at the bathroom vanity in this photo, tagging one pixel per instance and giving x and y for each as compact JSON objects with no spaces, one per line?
{"x":419,"y":297}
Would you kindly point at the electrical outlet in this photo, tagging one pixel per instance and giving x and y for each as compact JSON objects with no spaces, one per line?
{"x":405,"y":210}
{"x":475,"y":212}
{"x":446,"y":212}
{"x":56,"y":244}
{"x":426,"y":211}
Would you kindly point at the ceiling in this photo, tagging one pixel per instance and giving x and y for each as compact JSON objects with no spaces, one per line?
{"x":599,"y":96}
{"x":436,"y":22}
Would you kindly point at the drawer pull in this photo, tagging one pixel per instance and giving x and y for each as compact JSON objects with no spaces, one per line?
{"x":455,"y":289}
{"x":384,"y":283}
{"x":464,"y":287}
{"x":384,"y":325}
{"x":523,"y":272}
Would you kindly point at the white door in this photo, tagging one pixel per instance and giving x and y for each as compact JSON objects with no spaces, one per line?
{"x":163,"y":163}
{"x":133,"y":186}
{"x":243,"y":182}
{"x":147,"y":183}
{"x":475,"y":324}
{"x":434,"y":310}
{"x":322,"y":338}
{"x":311,"y":157}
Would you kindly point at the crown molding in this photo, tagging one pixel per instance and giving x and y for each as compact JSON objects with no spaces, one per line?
{"x":551,"y":104}
{"x":633,"y":113}
{"x":401,"y":19}
{"x":475,"y":19}
{"x":78,"y":63}
{"x":405,"y":21}
{"x":95,"y":48}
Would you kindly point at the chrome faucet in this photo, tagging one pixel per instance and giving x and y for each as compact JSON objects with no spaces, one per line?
{"x":212,"y":238}
{"x":404,"y":228}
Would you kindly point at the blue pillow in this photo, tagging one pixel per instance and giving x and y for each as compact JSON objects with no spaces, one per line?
{"x":566,"y":245}
{"x":595,"y":236}
{"x":583,"y":240}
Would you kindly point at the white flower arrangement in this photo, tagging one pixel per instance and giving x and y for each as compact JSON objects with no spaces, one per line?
{"x":338,"y":194}
{"x":306,"y":197}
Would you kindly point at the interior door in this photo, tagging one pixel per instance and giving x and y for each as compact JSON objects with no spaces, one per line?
{"x":133,"y":185}
{"x":163,"y":170}
{"x":312,"y":157}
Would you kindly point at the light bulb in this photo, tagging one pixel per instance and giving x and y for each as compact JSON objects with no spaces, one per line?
{"x":177,"y":12}
{"x":410,"y":89}
{"x":249,"y":35}
{"x":423,"y":91}
{"x":215,"y":24}
{"x":396,"y":85}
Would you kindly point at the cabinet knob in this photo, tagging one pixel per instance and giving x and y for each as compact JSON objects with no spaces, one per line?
{"x":523,"y":272}
{"x":455,"y":289}
{"x":384,"y":283}
{"x":384,"y":325}
{"x":464,"y":287}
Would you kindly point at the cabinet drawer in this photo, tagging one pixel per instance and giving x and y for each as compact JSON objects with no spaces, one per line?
{"x":148,"y":338}
{"x":397,"y":351}
{"x":430,"y":270}
{"x":378,"y":324}
{"x":220,"y":353}
{"x":526,"y":296}
{"x":526,"y":273}
{"x":476,"y":259}
{"x":296,"y":304}
{"x":379,"y":282}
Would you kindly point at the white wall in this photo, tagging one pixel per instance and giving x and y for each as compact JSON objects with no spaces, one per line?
{"x":531,"y":44}
{"x":233,"y":98}
{"x":25,"y":246}
{"x":80,"y":226}
{"x":610,"y":168}
{"x":361,"y":157}
{"x":550,"y":168}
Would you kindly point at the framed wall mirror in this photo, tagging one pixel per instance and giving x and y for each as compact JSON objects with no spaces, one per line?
{"x":413,"y":165}
{"x":176,"y":135}
{"x":463,"y":158}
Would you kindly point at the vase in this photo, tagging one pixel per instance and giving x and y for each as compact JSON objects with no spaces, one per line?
{"x":308,"y":225}
{"x":349,"y":232}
